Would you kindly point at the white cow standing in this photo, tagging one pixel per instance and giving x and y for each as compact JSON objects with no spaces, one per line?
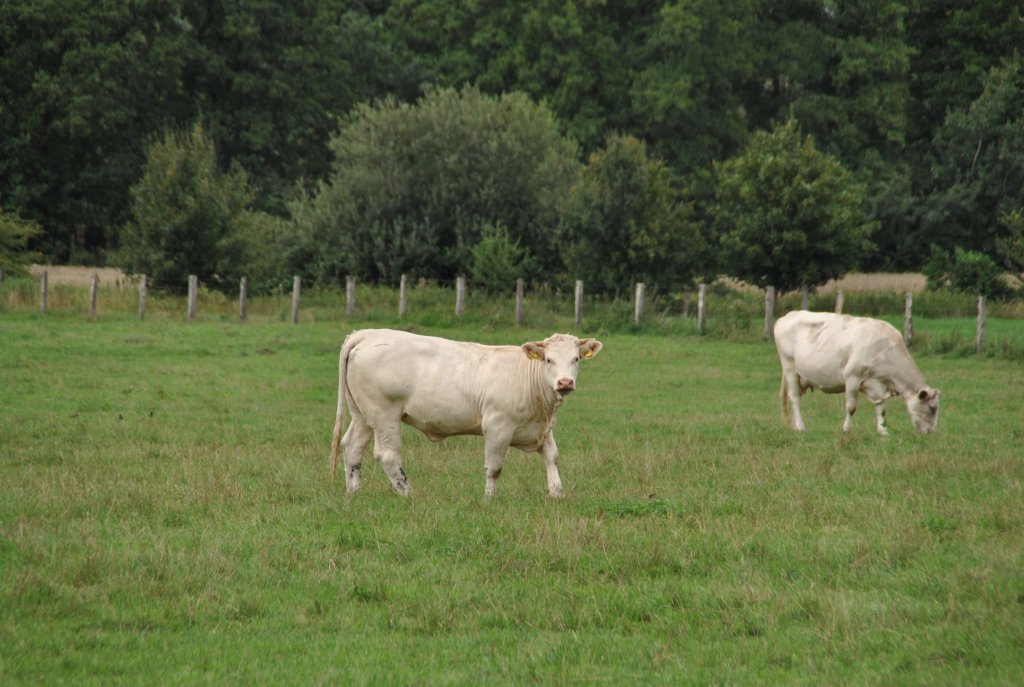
{"x":507,"y":394}
{"x":844,"y":354}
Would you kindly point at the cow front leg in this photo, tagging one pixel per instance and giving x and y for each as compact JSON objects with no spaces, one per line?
{"x":880,"y":418}
{"x":495,"y":450}
{"x":852,"y":388}
{"x":877,"y":392}
{"x":550,"y":453}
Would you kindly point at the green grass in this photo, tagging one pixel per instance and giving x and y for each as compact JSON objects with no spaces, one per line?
{"x":167,"y":517}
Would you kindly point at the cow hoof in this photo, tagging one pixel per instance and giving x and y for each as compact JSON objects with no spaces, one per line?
{"x":555,"y":493}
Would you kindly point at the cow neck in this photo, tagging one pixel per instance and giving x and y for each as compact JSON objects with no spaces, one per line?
{"x":540,"y":392}
{"x":905,"y":378}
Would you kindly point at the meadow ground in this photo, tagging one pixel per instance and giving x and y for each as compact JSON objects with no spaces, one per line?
{"x":167,"y":517}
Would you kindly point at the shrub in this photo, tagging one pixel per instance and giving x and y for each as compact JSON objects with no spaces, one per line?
{"x":414,"y":184}
{"x":497,"y":260}
{"x":966,"y":271}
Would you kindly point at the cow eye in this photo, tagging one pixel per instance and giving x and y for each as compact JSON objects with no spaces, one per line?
{"x":576,"y":359}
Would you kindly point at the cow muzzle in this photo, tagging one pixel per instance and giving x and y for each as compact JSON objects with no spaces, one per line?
{"x":565,"y":385}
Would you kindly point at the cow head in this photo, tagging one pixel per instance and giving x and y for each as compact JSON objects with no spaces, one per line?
{"x":561,"y":355}
{"x":924,"y":409}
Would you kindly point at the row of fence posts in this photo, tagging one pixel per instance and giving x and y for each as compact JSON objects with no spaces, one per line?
{"x":460,"y":303}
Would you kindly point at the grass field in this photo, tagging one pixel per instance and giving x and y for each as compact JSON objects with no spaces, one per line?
{"x":167,"y":517}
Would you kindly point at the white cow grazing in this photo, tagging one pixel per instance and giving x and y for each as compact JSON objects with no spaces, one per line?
{"x":507,"y":394}
{"x":840,"y":353}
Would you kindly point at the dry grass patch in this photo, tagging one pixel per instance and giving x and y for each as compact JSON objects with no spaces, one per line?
{"x":857,"y":282}
{"x":80,"y":276}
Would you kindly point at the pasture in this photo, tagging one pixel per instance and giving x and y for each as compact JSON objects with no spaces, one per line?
{"x":167,"y":517}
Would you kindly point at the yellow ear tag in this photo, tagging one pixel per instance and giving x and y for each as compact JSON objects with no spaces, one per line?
{"x":534,"y":354}
{"x":588,"y":354}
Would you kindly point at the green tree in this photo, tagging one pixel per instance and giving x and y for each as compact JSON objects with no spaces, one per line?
{"x":82,"y":84}
{"x":978,"y":173}
{"x":840,"y":69}
{"x":14,"y":237}
{"x":954,"y":45}
{"x":624,"y":222}
{"x":686,"y":99}
{"x":577,"y":58}
{"x":188,"y":216}
{"x":414,"y":184}
{"x":270,"y":78}
{"x":85,"y":85}
{"x":843,"y":71}
{"x":787,"y":214}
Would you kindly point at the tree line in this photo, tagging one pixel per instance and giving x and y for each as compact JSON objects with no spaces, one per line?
{"x":642,"y":140}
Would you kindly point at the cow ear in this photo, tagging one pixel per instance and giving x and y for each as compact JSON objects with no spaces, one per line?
{"x":926,"y":393}
{"x":590,"y":347}
{"x":534,"y":349}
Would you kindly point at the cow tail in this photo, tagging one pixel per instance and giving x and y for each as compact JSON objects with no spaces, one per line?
{"x":784,"y":398}
{"x":339,"y":421}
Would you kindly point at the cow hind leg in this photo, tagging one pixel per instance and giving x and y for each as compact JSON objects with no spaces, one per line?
{"x":852,"y":388}
{"x":387,"y":447}
{"x":355,"y":442}
{"x":784,"y":400}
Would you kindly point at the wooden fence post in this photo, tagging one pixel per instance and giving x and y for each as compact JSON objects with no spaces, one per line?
{"x":460,"y":295}
{"x":702,"y":310}
{"x":403,"y":295}
{"x":92,"y":296}
{"x":578,"y":307}
{"x":908,"y":318}
{"x":638,"y":303}
{"x":769,"y":311}
{"x":296,"y":288}
{"x":350,"y":295}
{"x":243,"y":299}
{"x":979,"y":340}
{"x":805,"y":297}
{"x":687,"y":296}
{"x":839,"y":302}
{"x":520,"y":292}
{"x":142,"y":297}
{"x":193,"y":292}
{"x":42,"y":292}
